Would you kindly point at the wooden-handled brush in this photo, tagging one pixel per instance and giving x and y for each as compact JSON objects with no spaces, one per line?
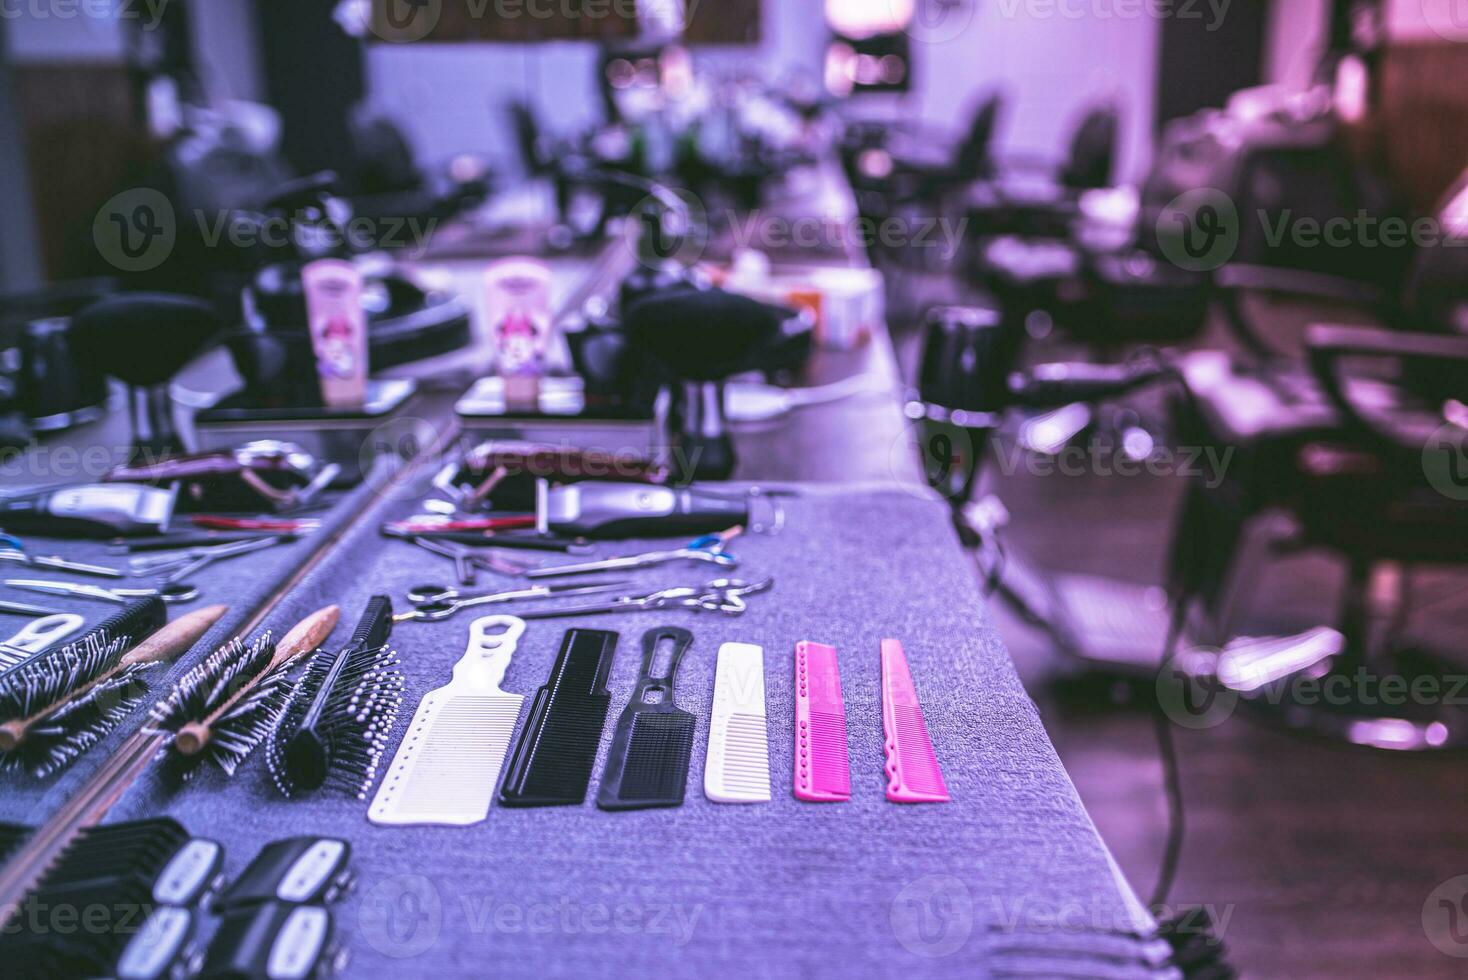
{"x":67,"y":701}
{"x":162,"y":647}
{"x":224,"y":707}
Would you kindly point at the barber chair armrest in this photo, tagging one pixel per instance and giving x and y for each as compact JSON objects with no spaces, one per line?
{"x":1294,"y":282}
{"x":1234,"y":281}
{"x":1328,"y":345}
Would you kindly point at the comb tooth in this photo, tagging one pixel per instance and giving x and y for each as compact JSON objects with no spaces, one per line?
{"x":913,"y":775}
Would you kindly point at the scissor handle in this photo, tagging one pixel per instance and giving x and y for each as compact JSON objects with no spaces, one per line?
{"x":432,"y":595}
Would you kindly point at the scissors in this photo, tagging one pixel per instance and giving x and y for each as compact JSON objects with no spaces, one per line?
{"x":467,"y":560}
{"x":180,"y":566}
{"x":723,"y":595}
{"x":434,"y":603}
{"x":169,"y":593}
{"x":709,"y":548}
{"x":13,"y":549}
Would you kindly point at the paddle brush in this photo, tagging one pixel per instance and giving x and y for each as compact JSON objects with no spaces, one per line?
{"x":60,"y":705}
{"x":340,"y":714}
{"x":222,"y":709}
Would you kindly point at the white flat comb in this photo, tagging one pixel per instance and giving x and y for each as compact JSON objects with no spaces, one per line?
{"x":448,"y":766}
{"x":738,"y":766}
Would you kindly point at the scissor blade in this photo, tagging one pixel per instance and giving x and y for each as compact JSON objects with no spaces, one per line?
{"x":23,"y":609}
{"x":48,"y":588}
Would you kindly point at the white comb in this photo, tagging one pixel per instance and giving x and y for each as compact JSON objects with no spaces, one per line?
{"x":738,"y":767}
{"x":448,"y":766}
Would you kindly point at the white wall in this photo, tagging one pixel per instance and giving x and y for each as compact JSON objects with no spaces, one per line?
{"x":62,"y":33}
{"x":1053,"y":66}
{"x":1298,"y":32}
{"x":227,"y":49}
{"x":451,"y":97}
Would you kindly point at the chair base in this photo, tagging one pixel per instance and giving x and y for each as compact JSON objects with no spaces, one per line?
{"x":1409,"y":701}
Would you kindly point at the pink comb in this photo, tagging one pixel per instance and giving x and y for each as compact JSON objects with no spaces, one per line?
{"x":913,"y":775}
{"x":822,"y":767}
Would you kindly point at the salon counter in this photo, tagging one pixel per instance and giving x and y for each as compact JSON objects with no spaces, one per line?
{"x":1009,"y":876}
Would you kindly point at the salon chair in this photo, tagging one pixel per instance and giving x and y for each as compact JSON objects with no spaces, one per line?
{"x":585,"y":201}
{"x":1358,"y":449}
{"x":386,"y":180}
{"x":893,"y":162}
{"x":1040,"y":199}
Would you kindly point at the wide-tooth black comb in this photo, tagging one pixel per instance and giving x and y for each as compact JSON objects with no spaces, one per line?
{"x":648,"y":764}
{"x":551,"y":764}
{"x":341,"y":712}
{"x":51,"y":678}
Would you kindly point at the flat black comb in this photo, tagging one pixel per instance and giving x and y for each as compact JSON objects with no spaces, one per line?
{"x":551,"y":763}
{"x":648,"y":764}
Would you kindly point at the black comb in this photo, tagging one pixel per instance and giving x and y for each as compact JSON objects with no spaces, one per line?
{"x":551,"y":763}
{"x":648,"y":764}
{"x":341,"y":713}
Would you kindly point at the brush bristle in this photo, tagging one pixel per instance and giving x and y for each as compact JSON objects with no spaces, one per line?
{"x":355,"y":718}
{"x":200,"y":692}
{"x":68,"y":733}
